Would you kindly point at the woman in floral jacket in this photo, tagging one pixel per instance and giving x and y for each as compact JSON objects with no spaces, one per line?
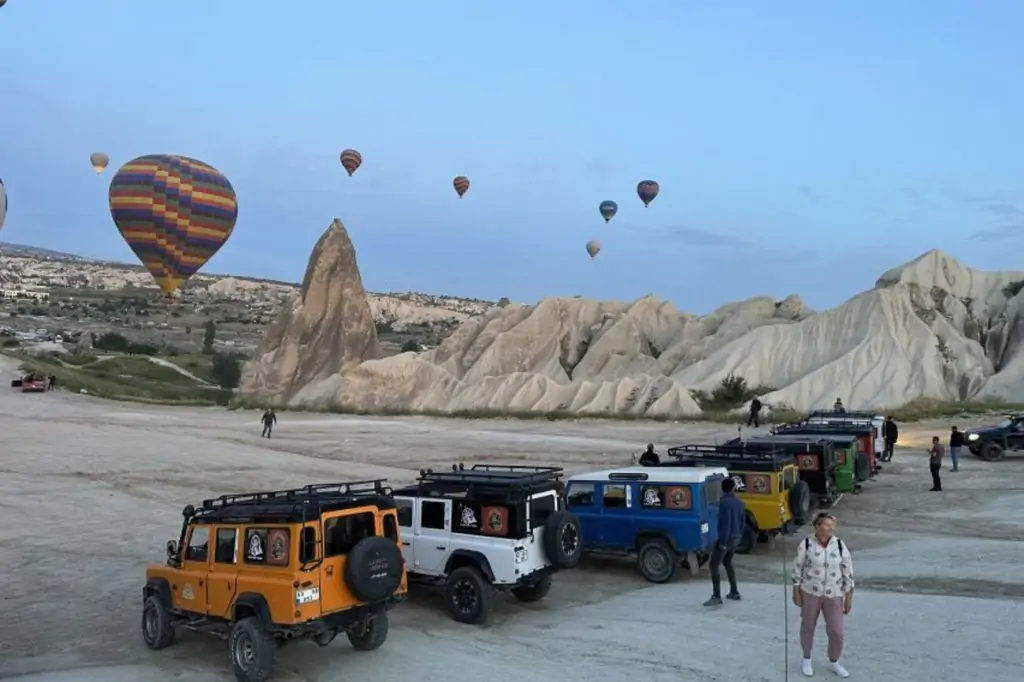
{"x":823,"y":584}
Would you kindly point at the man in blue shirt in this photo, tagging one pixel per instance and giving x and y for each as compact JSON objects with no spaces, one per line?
{"x":732,"y":518}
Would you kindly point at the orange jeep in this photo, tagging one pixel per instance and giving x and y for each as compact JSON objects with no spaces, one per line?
{"x":265,"y":568}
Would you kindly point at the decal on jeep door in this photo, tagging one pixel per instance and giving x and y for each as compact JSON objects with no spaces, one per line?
{"x":808,"y":462}
{"x":678,"y":497}
{"x":254,"y":550}
{"x":468,"y":519}
{"x":760,"y":484}
{"x":495,"y":521}
{"x":277,"y":544}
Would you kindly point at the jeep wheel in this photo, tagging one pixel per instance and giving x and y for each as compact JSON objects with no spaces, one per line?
{"x":373,"y":571}
{"x":252,"y":651}
{"x":468,"y":596}
{"x":747,"y":540}
{"x":992,"y":452}
{"x":800,"y":503}
{"x":157,"y":631}
{"x":861,"y":467}
{"x":657,"y":561}
{"x":371,"y":633}
{"x":563,"y":539}
{"x":533,"y":592}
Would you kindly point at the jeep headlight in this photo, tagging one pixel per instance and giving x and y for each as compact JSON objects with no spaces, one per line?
{"x":972,"y":436}
{"x":705,"y":528}
{"x":521,"y":555}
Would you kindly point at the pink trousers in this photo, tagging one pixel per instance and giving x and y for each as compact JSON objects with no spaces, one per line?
{"x":832,"y":609}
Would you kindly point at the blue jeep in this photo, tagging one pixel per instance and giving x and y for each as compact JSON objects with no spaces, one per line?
{"x":667,"y":517}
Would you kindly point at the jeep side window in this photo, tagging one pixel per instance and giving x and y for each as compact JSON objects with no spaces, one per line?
{"x":540,"y":509}
{"x":580,"y":495}
{"x":614,"y":496}
{"x":225,"y":550}
{"x":341,"y":533}
{"x":404,"y":513}
{"x":198,"y":544}
{"x":432,"y":514}
{"x":713,"y":490}
{"x":307,"y":545}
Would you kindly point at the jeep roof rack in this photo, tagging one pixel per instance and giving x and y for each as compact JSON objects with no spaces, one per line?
{"x":507,"y":481}
{"x":295,"y":504}
{"x":832,"y":414}
{"x":825,"y":429}
{"x":781,"y":444}
{"x":729,"y":456}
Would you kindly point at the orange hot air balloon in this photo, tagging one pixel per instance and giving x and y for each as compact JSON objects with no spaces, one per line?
{"x":99,"y":161}
{"x":351,"y":160}
{"x":461,"y":184}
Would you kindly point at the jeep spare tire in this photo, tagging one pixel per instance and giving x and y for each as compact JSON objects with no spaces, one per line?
{"x":800,"y":503}
{"x":862,"y":467}
{"x":373,"y":571}
{"x":563,"y":539}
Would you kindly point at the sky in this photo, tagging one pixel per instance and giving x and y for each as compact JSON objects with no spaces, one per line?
{"x":801,"y":146}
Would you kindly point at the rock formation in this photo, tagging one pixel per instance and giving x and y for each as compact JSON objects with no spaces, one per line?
{"x":327,"y":331}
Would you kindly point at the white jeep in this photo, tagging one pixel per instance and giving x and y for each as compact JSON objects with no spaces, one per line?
{"x":486,"y":528}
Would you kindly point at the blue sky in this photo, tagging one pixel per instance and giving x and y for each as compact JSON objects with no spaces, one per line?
{"x":801,"y":146}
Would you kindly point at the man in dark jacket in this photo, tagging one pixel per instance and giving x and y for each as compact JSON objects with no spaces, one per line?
{"x":892,"y":434}
{"x":650,"y":457}
{"x":956,"y":441}
{"x":268,"y":419}
{"x":732,"y":519}
{"x":755,"y":410}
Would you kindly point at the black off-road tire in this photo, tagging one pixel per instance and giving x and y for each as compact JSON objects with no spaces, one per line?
{"x":563,"y":539}
{"x":157,"y":630}
{"x":533,"y":592}
{"x":800,"y":503}
{"x":861,"y":467}
{"x":468,"y":596}
{"x":748,"y":540}
{"x":373,"y":571}
{"x":657,"y":561}
{"x":252,"y":651}
{"x":371,"y":634}
{"x":992,"y":452}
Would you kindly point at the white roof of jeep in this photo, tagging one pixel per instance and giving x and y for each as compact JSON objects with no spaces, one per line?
{"x":654,"y":475}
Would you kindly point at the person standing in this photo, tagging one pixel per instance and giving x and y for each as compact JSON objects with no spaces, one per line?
{"x":755,"y":411}
{"x":268,"y":419}
{"x":823,"y":584}
{"x":649,"y":458}
{"x":892,"y":435}
{"x":935,"y":463}
{"x":837,"y":407}
{"x":956,"y":442}
{"x":732,"y":518}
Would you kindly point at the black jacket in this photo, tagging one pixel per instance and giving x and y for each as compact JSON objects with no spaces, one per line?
{"x":649,"y":459}
{"x":892,"y":432}
{"x":755,"y":406}
{"x":956,"y":439}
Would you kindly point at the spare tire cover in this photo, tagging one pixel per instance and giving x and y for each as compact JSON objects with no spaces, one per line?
{"x":862,"y":468}
{"x":374,"y":569}
{"x":563,"y":539}
{"x":800,"y":502}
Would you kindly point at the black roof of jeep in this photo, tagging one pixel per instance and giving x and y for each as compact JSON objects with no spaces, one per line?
{"x":732,"y":458}
{"x":294,"y":505}
{"x":511,"y":483}
{"x":832,"y":414}
{"x":837,"y":433}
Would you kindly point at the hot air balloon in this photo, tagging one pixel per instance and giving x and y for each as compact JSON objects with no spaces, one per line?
{"x":593,"y":248}
{"x":174,"y":212}
{"x":3,"y":2}
{"x":99,"y":161}
{"x":647,"y":190}
{"x":608,"y":210}
{"x":351,"y":160}
{"x":3,"y":202}
{"x":461,"y":184}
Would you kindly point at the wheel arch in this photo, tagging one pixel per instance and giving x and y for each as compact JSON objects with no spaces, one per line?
{"x":469,"y":557}
{"x":644,"y":534}
{"x":252,"y":604}
{"x":160,"y":588}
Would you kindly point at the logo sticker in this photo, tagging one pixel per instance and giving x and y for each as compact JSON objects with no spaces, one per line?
{"x":760,"y":484}
{"x":495,"y":520}
{"x":741,"y":485}
{"x":468,"y":519}
{"x":255,"y":551}
{"x":187,"y":592}
{"x":651,"y":498}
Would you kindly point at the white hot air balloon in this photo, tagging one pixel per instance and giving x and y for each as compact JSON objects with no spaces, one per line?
{"x":593,"y":247}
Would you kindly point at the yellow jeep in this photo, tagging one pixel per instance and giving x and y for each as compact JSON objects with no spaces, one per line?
{"x":769,"y":484}
{"x":265,"y":568}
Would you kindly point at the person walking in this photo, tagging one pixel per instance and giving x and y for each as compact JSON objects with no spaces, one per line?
{"x":649,"y":458}
{"x":755,"y":412}
{"x":935,"y":463}
{"x":823,"y":584}
{"x":892,"y":435}
{"x":956,"y":442}
{"x":268,"y":419}
{"x":732,"y":518}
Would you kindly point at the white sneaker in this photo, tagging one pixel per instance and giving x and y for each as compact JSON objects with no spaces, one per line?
{"x":838,"y":669}
{"x":806,"y":667}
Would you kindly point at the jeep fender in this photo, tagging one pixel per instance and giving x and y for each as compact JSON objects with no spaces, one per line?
{"x":252,"y":604}
{"x":651,"y":534}
{"x":159,"y":587}
{"x":468,"y":557}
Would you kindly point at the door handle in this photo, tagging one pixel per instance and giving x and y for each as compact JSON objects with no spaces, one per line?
{"x":441,"y":547}
{"x":200,"y":583}
{"x":405,"y":544}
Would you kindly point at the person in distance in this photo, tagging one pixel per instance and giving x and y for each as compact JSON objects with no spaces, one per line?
{"x":650,"y":458}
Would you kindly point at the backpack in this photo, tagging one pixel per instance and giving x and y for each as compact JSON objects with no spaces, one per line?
{"x":807,"y":545}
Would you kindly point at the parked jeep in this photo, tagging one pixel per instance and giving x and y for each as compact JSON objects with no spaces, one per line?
{"x":667,"y":517}
{"x":490,"y":527}
{"x":815,"y":458}
{"x":991,"y":442}
{"x":853,"y":466}
{"x":872,"y":444}
{"x":265,"y":568}
{"x":769,"y":484}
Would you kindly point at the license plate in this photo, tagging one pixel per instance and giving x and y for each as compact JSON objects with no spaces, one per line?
{"x":307,"y":596}
{"x":705,"y":528}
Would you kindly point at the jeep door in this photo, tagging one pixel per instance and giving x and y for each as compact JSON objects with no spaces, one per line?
{"x":222,"y":581}
{"x":580,"y":499}
{"x":342,"y":530}
{"x":190,"y":592}
{"x":618,"y":520}
{"x":431,"y":537}
{"x":403,"y":506}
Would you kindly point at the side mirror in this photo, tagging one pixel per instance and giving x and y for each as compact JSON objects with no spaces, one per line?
{"x":172,"y":549}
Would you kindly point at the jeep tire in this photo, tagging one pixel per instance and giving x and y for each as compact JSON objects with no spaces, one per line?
{"x":748,"y":540}
{"x":563,"y":539}
{"x":468,"y":596}
{"x":369,"y":634}
{"x":992,"y":452}
{"x":800,"y":503}
{"x":157,"y":630}
{"x":657,"y":560}
{"x":373,"y":571}
{"x":252,"y":651}
{"x":861,"y":467}
{"x":533,"y":592}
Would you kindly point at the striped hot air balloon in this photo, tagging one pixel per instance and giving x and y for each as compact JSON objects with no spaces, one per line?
{"x":351,"y":160}
{"x":99,"y":161}
{"x":3,"y":202}
{"x":461,"y":184}
{"x":647,"y":190}
{"x":174,"y":212}
{"x":608,"y":209}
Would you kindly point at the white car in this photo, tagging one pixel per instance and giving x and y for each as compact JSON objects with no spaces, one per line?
{"x":486,"y":528}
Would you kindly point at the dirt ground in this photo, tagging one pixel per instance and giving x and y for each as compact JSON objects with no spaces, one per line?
{"x":91,"y":490}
